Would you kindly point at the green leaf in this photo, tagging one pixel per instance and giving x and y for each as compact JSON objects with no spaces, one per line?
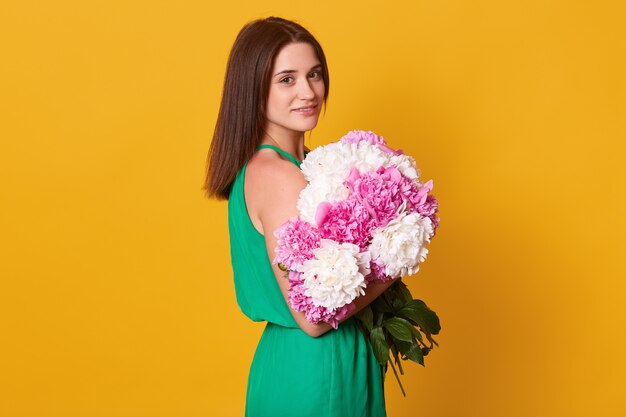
{"x":410,"y":312}
{"x":431,"y":340}
{"x":403,"y":291}
{"x":379,"y":345}
{"x":419,"y":314}
{"x":411,"y":351}
{"x":397,"y":303}
{"x":393,"y":299}
{"x":366,"y":316}
{"x":417,"y":334}
{"x":381,"y":305}
{"x":399,"y":328}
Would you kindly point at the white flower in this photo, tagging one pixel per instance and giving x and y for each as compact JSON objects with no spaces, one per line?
{"x":317,"y":192}
{"x":336,"y":275}
{"x":406,"y":165}
{"x":401,"y":245}
{"x":328,"y":164}
{"x":368,"y":157}
{"x":326,"y":169}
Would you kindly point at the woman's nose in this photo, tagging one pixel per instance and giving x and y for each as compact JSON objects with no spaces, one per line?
{"x":305,"y":91}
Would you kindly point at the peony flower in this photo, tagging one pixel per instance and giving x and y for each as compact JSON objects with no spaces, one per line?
{"x":426,"y":204}
{"x":299,"y":301}
{"x":328,"y":164}
{"x":296,"y":241}
{"x":430,"y":209}
{"x":332,"y":163}
{"x":368,"y":157}
{"x":382,"y":192}
{"x":326,"y":169}
{"x":406,"y":165}
{"x":378,"y":273}
{"x":346,"y":221}
{"x":401,"y":245}
{"x":361,"y":136}
{"x":317,"y":192}
{"x":336,"y":274}
{"x":358,"y":136}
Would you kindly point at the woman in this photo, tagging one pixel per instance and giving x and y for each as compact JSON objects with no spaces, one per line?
{"x":276,"y":83}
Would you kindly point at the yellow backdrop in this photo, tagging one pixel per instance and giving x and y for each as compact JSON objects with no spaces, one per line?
{"x":117,"y":297}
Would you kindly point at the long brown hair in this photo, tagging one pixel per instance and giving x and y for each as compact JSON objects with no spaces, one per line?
{"x":241,"y":118}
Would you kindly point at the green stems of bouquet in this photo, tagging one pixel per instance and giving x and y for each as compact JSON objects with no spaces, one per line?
{"x":399,"y":328}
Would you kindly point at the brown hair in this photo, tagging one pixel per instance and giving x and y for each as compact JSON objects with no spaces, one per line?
{"x":241,"y":118}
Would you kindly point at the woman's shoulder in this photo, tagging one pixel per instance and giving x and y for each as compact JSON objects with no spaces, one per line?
{"x":272,"y":187}
{"x":267,"y":167}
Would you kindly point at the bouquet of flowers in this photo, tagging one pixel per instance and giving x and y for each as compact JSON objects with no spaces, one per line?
{"x":364,"y":217}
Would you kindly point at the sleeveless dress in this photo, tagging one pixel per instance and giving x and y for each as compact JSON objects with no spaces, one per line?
{"x":293,"y":374}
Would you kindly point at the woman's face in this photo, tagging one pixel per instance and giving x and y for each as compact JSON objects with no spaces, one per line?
{"x":296,"y":91}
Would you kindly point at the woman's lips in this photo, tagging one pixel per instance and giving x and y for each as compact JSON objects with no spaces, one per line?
{"x":306,"y":111}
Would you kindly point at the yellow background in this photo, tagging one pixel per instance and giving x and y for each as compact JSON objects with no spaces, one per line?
{"x":116,"y":292}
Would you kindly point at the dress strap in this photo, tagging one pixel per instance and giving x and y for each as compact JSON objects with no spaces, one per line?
{"x":280,"y":151}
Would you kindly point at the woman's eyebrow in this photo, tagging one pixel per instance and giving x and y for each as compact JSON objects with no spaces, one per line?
{"x":290,"y":71}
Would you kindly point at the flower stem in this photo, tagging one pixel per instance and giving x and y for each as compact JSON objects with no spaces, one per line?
{"x":397,"y":377}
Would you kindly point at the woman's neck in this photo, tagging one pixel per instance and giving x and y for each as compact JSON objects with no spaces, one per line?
{"x":292,"y":144}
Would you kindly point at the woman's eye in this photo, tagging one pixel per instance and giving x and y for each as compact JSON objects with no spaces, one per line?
{"x":316,"y":74}
{"x":286,"y":80}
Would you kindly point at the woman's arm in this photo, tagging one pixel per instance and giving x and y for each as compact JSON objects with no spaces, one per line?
{"x":274,"y":188}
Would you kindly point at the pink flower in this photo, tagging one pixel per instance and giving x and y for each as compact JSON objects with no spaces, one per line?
{"x":340,"y":314}
{"x":314,"y":314}
{"x":426,"y":204}
{"x":382,"y":192}
{"x":347,"y":221}
{"x":357,"y":136}
{"x":375,"y":199}
{"x":297,"y":299}
{"x":378,"y":273}
{"x":420,"y":197}
{"x":296,"y":241}
{"x":321,"y":214}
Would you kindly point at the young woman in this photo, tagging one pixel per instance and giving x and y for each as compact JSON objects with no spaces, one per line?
{"x":275,"y":86}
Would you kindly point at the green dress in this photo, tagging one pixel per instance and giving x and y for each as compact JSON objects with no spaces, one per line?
{"x":293,"y":374}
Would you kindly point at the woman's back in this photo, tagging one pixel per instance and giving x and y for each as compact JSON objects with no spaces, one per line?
{"x":257,"y":298}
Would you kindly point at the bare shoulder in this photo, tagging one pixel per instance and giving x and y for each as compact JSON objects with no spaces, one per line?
{"x":272,"y":186}
{"x":268,"y":171}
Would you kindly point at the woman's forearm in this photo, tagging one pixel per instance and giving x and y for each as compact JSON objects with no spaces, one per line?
{"x":372,"y":292}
